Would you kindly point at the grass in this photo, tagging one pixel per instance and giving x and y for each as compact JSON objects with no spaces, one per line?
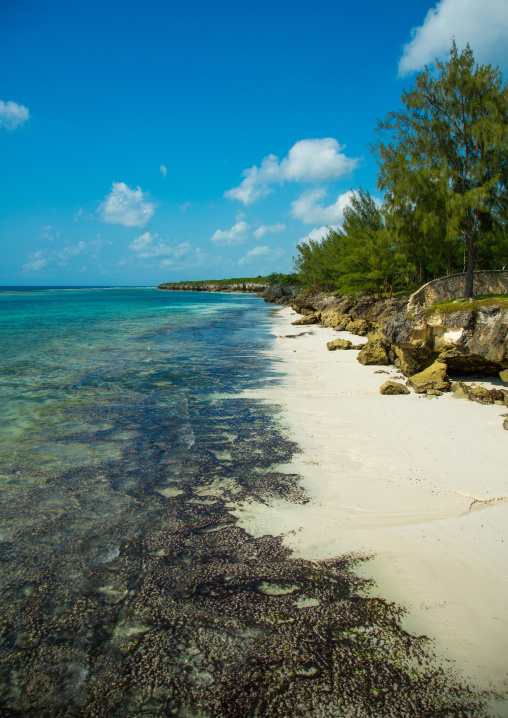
{"x":457,"y":305}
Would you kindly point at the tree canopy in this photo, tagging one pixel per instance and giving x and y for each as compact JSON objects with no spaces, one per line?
{"x":443,"y":168}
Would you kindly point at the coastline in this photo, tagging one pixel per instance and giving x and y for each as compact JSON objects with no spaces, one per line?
{"x":417,"y":483}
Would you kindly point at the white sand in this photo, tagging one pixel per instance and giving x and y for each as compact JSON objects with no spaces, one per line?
{"x":420,"y":483}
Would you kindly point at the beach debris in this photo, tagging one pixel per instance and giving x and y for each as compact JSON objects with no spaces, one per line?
{"x":374,"y":352}
{"x":391,"y":388}
{"x":434,"y":377}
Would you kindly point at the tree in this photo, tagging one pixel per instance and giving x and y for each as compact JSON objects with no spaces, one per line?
{"x":444,"y":164}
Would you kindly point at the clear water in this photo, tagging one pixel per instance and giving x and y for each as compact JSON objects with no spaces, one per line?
{"x":126,"y":588}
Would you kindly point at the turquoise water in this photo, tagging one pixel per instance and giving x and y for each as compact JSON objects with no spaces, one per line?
{"x":126,"y":587}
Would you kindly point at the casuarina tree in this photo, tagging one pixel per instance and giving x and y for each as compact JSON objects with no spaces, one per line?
{"x":443,"y":158}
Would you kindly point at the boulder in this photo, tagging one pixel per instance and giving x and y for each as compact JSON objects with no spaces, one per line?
{"x":411,"y":358}
{"x":360,"y":327}
{"x":374,"y":352}
{"x":505,"y":423}
{"x":393,"y":387}
{"x":434,"y":377}
{"x":307,"y":311}
{"x":504,"y":376}
{"x":339,"y":344}
{"x":460,"y":390}
{"x":308,"y":319}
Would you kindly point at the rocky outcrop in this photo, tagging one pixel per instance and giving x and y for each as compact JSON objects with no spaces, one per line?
{"x":432,"y":378}
{"x":392,"y":388}
{"x":213,"y":287}
{"x":504,"y":376}
{"x":467,"y":341}
{"x":411,"y":358}
{"x":360,"y":327}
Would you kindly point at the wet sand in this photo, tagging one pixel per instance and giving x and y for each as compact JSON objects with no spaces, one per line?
{"x":419,"y":483}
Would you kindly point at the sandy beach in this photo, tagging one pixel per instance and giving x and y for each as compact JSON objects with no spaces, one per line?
{"x":420,"y":484}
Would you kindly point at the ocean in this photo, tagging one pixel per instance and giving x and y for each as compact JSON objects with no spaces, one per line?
{"x":128,"y":431}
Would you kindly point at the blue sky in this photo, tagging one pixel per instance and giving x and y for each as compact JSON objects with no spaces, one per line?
{"x":150,"y":142}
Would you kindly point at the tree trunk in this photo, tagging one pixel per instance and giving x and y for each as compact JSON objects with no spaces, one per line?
{"x":471,"y":261}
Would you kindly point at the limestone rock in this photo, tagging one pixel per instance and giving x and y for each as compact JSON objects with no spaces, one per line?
{"x":504,"y":376}
{"x":434,"y":377}
{"x":360,"y":327}
{"x":343,"y":322}
{"x":460,"y":390}
{"x":460,"y":360}
{"x":331,"y":316}
{"x":505,"y":424}
{"x":434,"y":392}
{"x":339,"y":344}
{"x":308,"y":319}
{"x":374,"y":352}
{"x":392,"y":388}
{"x":411,"y":358}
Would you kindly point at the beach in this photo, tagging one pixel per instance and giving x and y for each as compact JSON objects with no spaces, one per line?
{"x":418,"y":483}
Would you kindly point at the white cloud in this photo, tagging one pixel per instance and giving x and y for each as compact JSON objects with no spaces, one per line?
{"x":268,"y":229}
{"x":484,"y":25}
{"x":310,"y":209}
{"x":307,"y":161}
{"x":44,"y":257}
{"x":164,"y":170}
{"x":35,"y":262}
{"x":318,"y":233}
{"x":126,"y":206}
{"x":185,"y":206}
{"x":264,"y":253}
{"x":149,"y":246}
{"x":235,"y":235}
{"x":12,"y":115}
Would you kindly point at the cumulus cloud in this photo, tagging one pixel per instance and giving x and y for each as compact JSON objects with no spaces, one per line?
{"x":126,"y":206}
{"x":35,"y":262}
{"x":164,"y":170}
{"x":265,"y":253}
{"x":484,"y":25}
{"x":268,"y":229}
{"x":149,"y":246}
{"x":307,"y":161}
{"x":12,"y":115}
{"x":311,"y":210}
{"x":235,"y":235}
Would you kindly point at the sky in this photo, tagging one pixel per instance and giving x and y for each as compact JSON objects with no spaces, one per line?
{"x":152,"y":142}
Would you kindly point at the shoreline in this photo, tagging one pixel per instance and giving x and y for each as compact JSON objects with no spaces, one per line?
{"x":419,"y":484}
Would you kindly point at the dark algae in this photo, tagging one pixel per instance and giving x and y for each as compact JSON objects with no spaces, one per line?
{"x":128,"y":589}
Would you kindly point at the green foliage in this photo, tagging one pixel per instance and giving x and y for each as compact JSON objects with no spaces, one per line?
{"x":360,"y":257}
{"x":443,"y":161}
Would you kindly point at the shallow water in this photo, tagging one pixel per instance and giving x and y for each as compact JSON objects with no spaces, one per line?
{"x":126,"y":586}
